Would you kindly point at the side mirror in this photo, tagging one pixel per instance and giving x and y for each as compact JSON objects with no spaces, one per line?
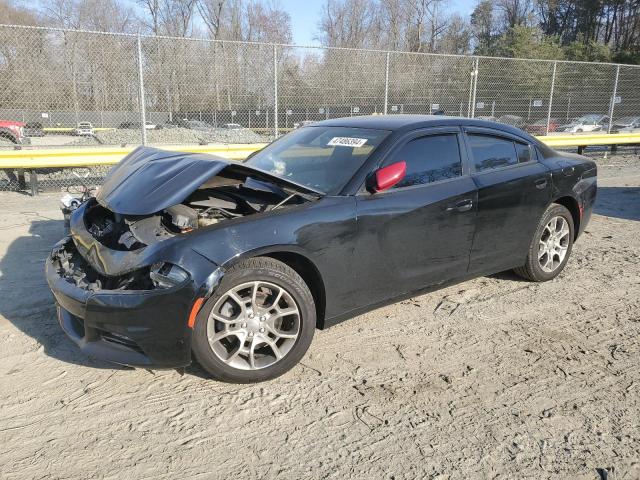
{"x":386,"y":177}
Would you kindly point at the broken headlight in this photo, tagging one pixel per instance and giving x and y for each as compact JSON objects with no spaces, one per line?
{"x":167,"y":275}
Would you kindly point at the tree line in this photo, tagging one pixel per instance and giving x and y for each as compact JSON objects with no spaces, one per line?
{"x":591,"y":30}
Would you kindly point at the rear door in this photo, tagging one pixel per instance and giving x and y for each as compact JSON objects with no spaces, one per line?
{"x":514,"y":190}
{"x":419,"y":232}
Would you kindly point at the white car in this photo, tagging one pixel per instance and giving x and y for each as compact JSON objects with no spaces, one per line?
{"x":303,"y":123}
{"x":232,"y":126}
{"x":83,"y":128}
{"x":587,"y":123}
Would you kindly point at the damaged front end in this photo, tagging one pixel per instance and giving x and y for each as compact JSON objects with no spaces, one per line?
{"x":126,"y":280}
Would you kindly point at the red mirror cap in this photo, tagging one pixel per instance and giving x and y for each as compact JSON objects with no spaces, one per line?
{"x":390,"y":175}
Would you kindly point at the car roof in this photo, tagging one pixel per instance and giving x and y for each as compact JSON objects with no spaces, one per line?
{"x":405,"y":122}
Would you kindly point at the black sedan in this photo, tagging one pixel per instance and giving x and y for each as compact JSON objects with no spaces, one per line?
{"x":239,"y":263}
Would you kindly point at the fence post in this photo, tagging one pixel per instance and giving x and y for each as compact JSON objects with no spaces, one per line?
{"x":33,"y":181}
{"x":141,"y":94}
{"x":613,"y":99}
{"x":386,"y":85}
{"x":474,"y":79}
{"x":275,"y":91}
{"x":553,"y":86}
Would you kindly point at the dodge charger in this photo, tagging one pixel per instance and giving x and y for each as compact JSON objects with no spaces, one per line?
{"x":185,"y":256}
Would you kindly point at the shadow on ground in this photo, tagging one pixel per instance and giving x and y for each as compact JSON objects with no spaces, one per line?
{"x":26,"y":300}
{"x":618,"y":202}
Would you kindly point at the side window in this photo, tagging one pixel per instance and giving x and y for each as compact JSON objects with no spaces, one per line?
{"x":429,"y":159}
{"x":492,"y":152}
{"x":523,"y":151}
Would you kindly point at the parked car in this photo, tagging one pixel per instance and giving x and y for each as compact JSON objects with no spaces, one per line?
{"x":33,"y":129}
{"x":587,"y":123}
{"x":303,"y":123}
{"x":13,"y":131}
{"x":626,"y":124}
{"x":512,"y":120}
{"x":136,"y":125}
{"x":232,"y":126}
{"x":438,"y":112}
{"x":539,"y":127}
{"x":83,"y":128}
{"x":240,"y":262}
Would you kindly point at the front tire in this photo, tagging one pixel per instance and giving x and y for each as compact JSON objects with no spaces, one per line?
{"x":257,"y":325}
{"x":550,"y":247}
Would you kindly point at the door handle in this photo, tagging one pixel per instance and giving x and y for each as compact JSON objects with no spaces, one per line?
{"x":541,"y":183}
{"x":461,"y":206}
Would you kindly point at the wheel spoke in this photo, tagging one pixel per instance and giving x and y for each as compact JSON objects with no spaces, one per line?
{"x":254,"y":294}
{"x":222,"y":334}
{"x":252,"y":353}
{"x":233,"y":356}
{"x":277,"y":300}
{"x":284,"y":312}
{"x":222,"y":319}
{"x":273,"y":346}
{"x":240,"y":302}
{"x":279,"y":333}
{"x":542,"y":249}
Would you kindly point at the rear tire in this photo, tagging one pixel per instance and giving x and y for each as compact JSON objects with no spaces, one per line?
{"x":550,"y":247}
{"x":257,"y":325}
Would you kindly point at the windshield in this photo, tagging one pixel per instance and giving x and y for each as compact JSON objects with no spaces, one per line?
{"x":589,"y":118}
{"x":323,"y":158}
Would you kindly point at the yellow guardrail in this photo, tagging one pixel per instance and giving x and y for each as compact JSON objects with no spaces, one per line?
{"x":590,"y":140}
{"x":82,"y":157}
{"x":28,"y":158}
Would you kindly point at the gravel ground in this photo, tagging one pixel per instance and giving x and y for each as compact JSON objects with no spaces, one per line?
{"x":172,"y":136}
{"x":491,"y":378}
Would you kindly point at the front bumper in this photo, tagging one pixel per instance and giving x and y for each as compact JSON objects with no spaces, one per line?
{"x":143,"y":328}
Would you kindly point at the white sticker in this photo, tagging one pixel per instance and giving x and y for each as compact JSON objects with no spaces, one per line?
{"x":346,"y":142}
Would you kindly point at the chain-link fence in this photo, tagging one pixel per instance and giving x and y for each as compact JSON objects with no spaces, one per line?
{"x":65,"y":88}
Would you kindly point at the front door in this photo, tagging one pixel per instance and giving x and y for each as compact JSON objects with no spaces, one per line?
{"x":419,"y":232}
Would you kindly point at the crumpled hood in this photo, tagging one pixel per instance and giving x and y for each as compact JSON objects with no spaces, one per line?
{"x":150,"y":179}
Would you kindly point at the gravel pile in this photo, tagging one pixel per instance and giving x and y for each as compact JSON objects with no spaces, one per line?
{"x":172,"y":135}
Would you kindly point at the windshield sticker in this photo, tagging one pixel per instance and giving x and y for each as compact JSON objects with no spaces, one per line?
{"x":346,"y":142}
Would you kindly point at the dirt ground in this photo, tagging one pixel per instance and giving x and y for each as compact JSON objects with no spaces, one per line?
{"x":492,"y":378}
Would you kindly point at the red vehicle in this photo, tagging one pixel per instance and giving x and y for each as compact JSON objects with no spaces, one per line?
{"x":12,"y":131}
{"x":540,"y":127}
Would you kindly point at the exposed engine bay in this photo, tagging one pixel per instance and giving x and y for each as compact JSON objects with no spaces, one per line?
{"x":218,"y":200}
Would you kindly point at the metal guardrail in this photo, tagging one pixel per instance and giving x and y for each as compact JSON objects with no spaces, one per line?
{"x":85,"y":157}
{"x":592,"y":140}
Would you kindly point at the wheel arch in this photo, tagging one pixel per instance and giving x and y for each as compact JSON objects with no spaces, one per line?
{"x":302,"y":265}
{"x":571,"y":204}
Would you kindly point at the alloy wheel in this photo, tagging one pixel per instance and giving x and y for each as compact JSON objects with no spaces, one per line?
{"x":253,"y":325}
{"x":553,"y":244}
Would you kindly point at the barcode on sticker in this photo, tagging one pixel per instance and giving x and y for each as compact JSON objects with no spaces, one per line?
{"x":347,"y":142}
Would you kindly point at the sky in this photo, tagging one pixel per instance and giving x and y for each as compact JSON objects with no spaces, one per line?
{"x":305,"y":13}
